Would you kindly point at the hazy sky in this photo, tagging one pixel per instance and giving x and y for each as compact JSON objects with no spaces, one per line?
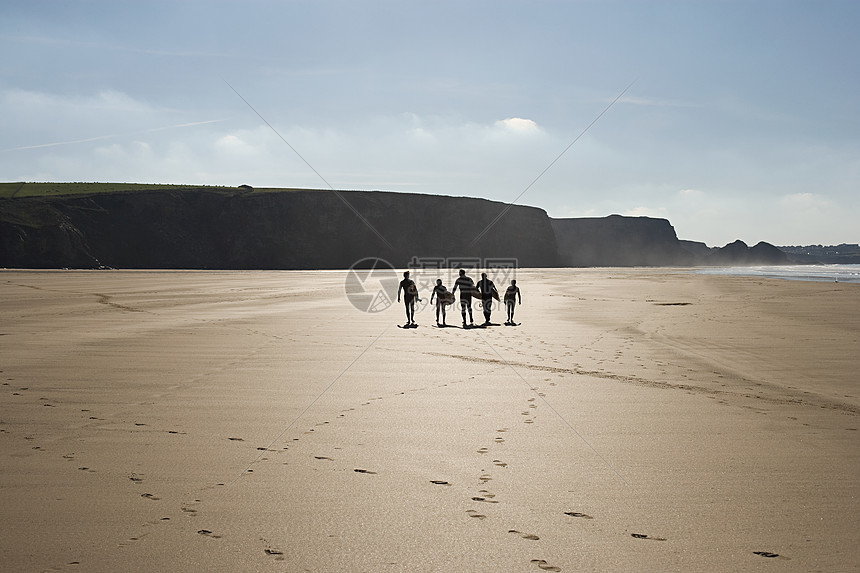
{"x":743,"y":121}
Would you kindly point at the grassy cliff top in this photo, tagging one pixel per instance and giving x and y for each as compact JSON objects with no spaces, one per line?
{"x":19,"y":189}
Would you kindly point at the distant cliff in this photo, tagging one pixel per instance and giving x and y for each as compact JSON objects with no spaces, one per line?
{"x":738,"y":253}
{"x":617,"y":241}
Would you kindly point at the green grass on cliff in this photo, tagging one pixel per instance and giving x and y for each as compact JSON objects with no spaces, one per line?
{"x":18,"y":189}
{"x":9,"y":190}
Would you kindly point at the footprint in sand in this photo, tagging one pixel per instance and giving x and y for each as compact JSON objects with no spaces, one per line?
{"x":528,"y":536}
{"x":485,"y":497}
{"x":361,"y":471}
{"x":770,"y":555}
{"x":324,"y":458}
{"x":150,"y":496}
{"x":500,"y":463}
{"x":475,"y":514}
{"x":541,"y":563}
{"x":439,"y":482}
{"x":483,"y":450}
{"x":643,"y":536}
{"x":577,"y":514}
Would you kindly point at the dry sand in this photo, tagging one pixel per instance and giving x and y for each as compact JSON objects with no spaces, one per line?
{"x":637,"y":420}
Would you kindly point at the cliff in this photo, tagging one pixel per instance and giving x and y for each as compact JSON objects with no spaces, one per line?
{"x":738,"y":253}
{"x":617,"y":241}
{"x":211,"y":228}
{"x":59,"y":225}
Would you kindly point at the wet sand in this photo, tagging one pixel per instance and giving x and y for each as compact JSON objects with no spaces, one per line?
{"x":637,"y":420}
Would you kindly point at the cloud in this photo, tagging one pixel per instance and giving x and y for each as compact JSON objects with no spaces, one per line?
{"x":111,"y":136}
{"x":232,"y":145}
{"x":804,"y":201}
{"x":691,"y":193}
{"x":518,"y":125}
{"x":103,"y":100}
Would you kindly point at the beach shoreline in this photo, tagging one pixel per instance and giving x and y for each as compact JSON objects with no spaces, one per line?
{"x":638,"y":419}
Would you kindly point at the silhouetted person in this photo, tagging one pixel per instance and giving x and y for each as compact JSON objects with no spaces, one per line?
{"x":488,"y":292}
{"x":440,"y":293}
{"x":410,"y":293}
{"x":512,"y":293}
{"x":467,"y":287}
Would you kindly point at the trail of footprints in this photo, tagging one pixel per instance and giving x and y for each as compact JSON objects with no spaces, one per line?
{"x":483,"y":497}
{"x":190,"y":509}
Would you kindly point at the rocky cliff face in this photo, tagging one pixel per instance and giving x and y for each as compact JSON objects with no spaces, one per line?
{"x":200,"y":229}
{"x":236,"y":228}
{"x":617,"y":241}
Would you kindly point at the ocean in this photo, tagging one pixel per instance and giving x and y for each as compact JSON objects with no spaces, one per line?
{"x":823,"y":273}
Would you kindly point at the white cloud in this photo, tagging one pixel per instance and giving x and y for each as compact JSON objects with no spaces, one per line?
{"x":233,"y":144}
{"x":518,"y":125}
{"x":805,"y":201}
{"x":691,"y":193}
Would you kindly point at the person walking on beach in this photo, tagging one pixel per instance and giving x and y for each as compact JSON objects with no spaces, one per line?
{"x":441,"y":295}
{"x":410,"y":293}
{"x":512,"y":293}
{"x":488,"y":292}
{"x":467,"y":287}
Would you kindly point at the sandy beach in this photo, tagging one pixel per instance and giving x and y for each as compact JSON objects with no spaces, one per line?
{"x":637,"y":420}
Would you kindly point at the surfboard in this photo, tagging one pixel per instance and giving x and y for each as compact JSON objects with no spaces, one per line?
{"x":446,"y":297}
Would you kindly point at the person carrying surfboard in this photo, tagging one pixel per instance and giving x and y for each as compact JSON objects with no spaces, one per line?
{"x":512,"y":293}
{"x":443,"y":299}
{"x":488,"y":292}
{"x":467,"y":289}
{"x":410,"y":293}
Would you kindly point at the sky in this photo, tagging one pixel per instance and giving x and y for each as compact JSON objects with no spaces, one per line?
{"x":731,"y":119}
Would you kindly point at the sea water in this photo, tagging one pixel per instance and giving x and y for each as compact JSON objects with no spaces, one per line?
{"x":824,"y":273}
